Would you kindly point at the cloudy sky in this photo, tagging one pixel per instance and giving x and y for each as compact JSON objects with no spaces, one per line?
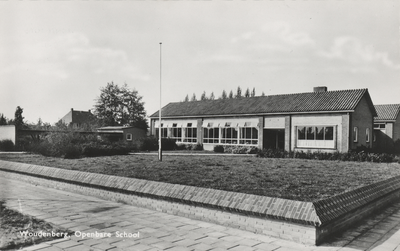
{"x":56,"y":55}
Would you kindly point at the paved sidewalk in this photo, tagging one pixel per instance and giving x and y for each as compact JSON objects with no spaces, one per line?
{"x":146,"y":229}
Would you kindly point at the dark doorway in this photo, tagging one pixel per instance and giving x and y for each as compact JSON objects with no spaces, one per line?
{"x":274,"y":139}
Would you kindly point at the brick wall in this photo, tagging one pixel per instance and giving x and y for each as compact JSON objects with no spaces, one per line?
{"x":305,"y":222}
{"x":362,"y":119}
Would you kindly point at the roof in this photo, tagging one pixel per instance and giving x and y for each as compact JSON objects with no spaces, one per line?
{"x":387,"y":112}
{"x":81,"y":116}
{"x":329,"y":101}
{"x":114,"y":127}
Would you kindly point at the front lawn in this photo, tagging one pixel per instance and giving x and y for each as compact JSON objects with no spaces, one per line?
{"x":18,"y":230}
{"x":297,"y":179}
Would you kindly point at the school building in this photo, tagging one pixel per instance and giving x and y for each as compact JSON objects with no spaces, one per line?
{"x":320,"y":120}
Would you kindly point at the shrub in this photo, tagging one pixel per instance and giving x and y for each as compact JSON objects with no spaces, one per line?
{"x":240,"y":149}
{"x":348,"y":156}
{"x":271,"y":153}
{"x":219,"y":149}
{"x":168,"y":144}
{"x":6,"y":145}
{"x":72,"y":151}
{"x":72,"y":145}
{"x":147,"y":144}
{"x":197,"y":147}
{"x":189,"y":147}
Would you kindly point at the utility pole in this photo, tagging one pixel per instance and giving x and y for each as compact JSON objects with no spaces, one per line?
{"x":159,"y":119}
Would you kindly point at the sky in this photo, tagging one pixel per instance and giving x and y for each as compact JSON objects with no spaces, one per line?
{"x":57,"y":55}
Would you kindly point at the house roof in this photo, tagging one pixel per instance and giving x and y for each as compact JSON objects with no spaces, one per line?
{"x":387,"y":112}
{"x":329,"y":101}
{"x":114,"y":127}
{"x":81,"y":116}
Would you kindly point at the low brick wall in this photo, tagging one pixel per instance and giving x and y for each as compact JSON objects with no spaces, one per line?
{"x":305,"y":222}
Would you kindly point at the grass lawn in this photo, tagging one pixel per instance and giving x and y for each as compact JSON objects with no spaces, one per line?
{"x":13,"y":223}
{"x":304,"y":180}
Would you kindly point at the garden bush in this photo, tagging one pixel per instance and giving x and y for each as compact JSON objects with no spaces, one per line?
{"x":147,"y":144}
{"x":6,"y":145}
{"x":218,"y":149}
{"x":241,"y":149}
{"x":189,"y":147}
{"x":71,"y":145}
{"x":348,"y":156}
{"x":168,"y":144}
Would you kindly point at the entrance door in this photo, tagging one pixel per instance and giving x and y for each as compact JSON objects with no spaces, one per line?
{"x":274,"y":139}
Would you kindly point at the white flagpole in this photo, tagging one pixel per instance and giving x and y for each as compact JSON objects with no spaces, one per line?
{"x":159,"y":125}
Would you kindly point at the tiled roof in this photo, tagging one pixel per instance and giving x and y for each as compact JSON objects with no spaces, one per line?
{"x":387,"y":112}
{"x":329,"y":101}
{"x":81,"y":116}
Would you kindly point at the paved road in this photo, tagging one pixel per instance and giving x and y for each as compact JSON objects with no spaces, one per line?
{"x":144,"y":229}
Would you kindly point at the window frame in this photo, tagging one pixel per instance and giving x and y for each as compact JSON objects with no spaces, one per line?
{"x":355,"y":134}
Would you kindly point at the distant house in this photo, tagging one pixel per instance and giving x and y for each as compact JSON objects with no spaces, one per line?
{"x":321,"y":120}
{"x":8,"y":132}
{"x":78,"y":119}
{"x":386,"y":126}
{"x":125,"y":133}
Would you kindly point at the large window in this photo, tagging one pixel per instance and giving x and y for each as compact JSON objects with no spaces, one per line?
{"x":176,"y":132}
{"x":248,"y":135}
{"x":190,"y":133}
{"x":164,"y":131}
{"x":229,"y":134}
{"x":316,"y":136}
{"x":315,"y":133}
{"x":211,"y":134}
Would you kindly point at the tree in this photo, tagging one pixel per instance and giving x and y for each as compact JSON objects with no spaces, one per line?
{"x":224,"y":95}
{"x":18,"y":119}
{"x":193,"y":97}
{"x":253,"y":92}
{"x":212,"y":97}
{"x":119,"y":106}
{"x":231,"y":94}
{"x":238,"y":92}
{"x":203,"y":96}
{"x":247,"y":93}
{"x":186,"y":98}
{"x":3,"y":120}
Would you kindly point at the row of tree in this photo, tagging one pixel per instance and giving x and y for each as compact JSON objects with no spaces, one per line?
{"x":116,"y":106}
{"x":225,"y":95}
{"x":18,"y":120}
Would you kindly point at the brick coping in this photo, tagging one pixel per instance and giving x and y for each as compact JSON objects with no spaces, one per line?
{"x":317,"y":213}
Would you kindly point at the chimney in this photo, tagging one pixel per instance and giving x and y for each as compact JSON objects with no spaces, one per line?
{"x":72,"y":109}
{"x":320,"y":89}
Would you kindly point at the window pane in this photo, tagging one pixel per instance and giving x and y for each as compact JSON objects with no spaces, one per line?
{"x":301,"y":132}
{"x":319,"y":132}
{"x":329,"y":133}
{"x":310,"y":133}
{"x":254,"y":133}
{"x":355,"y":134}
{"x":234,"y":133}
